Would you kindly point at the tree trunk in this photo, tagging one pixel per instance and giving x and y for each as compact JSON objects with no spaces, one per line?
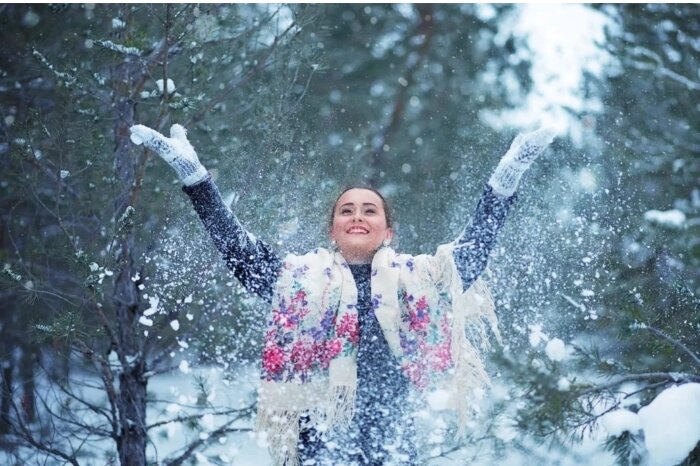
{"x":131,"y":404}
{"x":26,"y":370}
{"x":128,"y":79}
{"x":6,"y":397}
{"x":131,"y":444}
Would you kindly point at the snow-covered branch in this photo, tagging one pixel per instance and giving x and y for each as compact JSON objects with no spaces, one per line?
{"x":657,"y":66}
{"x":124,"y":50}
{"x":66,"y":79}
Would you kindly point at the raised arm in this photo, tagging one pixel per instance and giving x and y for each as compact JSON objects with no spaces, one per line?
{"x":474,"y":245}
{"x":252,"y":261}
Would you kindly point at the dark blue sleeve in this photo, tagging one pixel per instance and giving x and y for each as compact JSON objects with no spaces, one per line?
{"x":251,"y":260}
{"x":474,"y":245}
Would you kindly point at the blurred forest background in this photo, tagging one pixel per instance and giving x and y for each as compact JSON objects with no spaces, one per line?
{"x":109,"y":282}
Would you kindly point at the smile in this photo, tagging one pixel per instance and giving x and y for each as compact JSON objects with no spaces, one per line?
{"x":358,"y":230}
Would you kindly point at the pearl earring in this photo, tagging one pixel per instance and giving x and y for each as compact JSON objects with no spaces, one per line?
{"x":333,"y":243}
{"x":386,"y":242}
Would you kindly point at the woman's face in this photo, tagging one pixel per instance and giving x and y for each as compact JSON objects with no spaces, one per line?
{"x":359,"y":225}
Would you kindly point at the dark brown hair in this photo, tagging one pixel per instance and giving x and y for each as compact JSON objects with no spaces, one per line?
{"x":385,"y":205}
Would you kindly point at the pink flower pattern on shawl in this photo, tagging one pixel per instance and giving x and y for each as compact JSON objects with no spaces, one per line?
{"x":303,"y":355}
{"x":349,"y":328}
{"x":295,"y":348}
{"x":419,"y":316}
{"x":273,"y":359}
{"x":426,"y":343}
{"x":289,"y":316}
{"x":327,"y":350}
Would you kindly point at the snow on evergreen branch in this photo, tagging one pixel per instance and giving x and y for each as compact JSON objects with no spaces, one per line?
{"x":66,"y":79}
{"x":119,"y":48}
{"x":126,"y":221}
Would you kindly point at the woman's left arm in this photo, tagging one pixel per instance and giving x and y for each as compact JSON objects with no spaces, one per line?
{"x":474,"y":245}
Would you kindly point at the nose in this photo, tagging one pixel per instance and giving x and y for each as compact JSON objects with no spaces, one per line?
{"x":357,"y":217}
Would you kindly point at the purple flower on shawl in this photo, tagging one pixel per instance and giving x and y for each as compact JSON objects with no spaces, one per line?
{"x":395,"y":264}
{"x":289,"y":316}
{"x":376,"y":299}
{"x":416,"y":373}
{"x":328,"y":320}
{"x":327,"y":272}
{"x":408,"y":345}
{"x":410,"y":264}
{"x":316,"y":333}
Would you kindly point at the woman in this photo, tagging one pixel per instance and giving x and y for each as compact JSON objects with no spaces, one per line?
{"x":351,"y":331}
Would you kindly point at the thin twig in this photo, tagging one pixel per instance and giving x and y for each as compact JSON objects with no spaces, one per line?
{"x":198,"y":416}
{"x":107,"y":377}
{"x":262,"y":64}
{"x":673,"y":341}
{"x":660,"y":68}
{"x":668,"y":377}
{"x":192,"y":447}
{"x":28,"y":437}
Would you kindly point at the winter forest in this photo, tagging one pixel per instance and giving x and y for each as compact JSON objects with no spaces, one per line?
{"x":125,"y":338}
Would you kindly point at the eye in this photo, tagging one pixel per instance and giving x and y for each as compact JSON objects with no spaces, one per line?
{"x":345,"y":210}
{"x":371,"y":211}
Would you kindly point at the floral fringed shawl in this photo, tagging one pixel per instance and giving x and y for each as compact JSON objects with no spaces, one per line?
{"x":433,"y":327}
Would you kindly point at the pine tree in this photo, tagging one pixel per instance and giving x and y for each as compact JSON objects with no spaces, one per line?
{"x":634,"y":332}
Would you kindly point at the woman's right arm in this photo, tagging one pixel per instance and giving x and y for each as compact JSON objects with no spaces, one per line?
{"x":252,"y":261}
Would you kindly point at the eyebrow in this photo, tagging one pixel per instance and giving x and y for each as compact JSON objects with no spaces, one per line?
{"x":364,"y":204}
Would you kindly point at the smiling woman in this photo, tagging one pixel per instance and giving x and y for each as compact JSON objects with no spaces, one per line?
{"x":353,"y":331}
{"x":360,"y":224}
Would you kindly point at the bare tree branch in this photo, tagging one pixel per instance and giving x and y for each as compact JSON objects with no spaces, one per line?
{"x":667,"y":377}
{"x":192,"y":447}
{"x":241,"y":412}
{"x":107,"y":377}
{"x":23,"y":430}
{"x":262,"y":63}
{"x":673,"y":341}
{"x":658,"y":67}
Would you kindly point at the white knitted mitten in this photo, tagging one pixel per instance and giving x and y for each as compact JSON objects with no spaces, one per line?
{"x":176,"y":150}
{"x":523,"y":151}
